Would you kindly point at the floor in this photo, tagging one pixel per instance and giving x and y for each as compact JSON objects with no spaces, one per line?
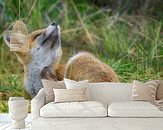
{"x":6,"y":122}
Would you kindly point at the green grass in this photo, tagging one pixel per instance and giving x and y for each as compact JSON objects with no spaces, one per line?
{"x":3,"y":106}
{"x":131,"y":44}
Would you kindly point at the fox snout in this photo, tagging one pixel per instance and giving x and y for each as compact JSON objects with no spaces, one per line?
{"x":50,"y":36}
{"x":53,"y":29}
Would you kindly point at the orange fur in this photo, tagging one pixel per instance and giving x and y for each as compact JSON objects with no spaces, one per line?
{"x":84,"y":66}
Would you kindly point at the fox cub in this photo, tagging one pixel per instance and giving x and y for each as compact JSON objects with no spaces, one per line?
{"x":43,"y":61}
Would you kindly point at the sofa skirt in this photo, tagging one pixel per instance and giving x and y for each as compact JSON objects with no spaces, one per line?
{"x":106,"y":123}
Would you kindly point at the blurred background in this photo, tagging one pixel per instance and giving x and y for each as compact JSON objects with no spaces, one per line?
{"x":125,"y":34}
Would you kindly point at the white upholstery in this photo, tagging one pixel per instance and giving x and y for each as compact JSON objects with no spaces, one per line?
{"x":105,"y":123}
{"x":105,"y":93}
{"x":36,"y":104}
{"x":110,"y":92}
{"x":74,"y":109}
{"x":71,"y":84}
{"x":133,"y":109}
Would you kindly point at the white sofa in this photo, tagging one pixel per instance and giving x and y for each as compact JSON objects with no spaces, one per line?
{"x":116,"y":113}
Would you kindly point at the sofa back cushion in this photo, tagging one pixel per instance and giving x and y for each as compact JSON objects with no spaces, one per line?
{"x":107,"y":92}
{"x":49,"y":86}
{"x":144,"y":91}
{"x":71,"y":84}
{"x":70,"y":95}
{"x":159,"y":92}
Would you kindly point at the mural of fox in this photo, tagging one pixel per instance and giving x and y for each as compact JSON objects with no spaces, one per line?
{"x":43,"y":61}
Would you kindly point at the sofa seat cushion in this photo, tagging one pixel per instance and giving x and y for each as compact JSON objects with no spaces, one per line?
{"x":133,"y":109}
{"x":74,"y":109}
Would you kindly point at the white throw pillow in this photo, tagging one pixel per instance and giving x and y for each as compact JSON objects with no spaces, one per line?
{"x":71,"y":84}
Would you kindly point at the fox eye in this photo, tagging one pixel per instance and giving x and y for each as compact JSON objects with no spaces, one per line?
{"x":37,"y":35}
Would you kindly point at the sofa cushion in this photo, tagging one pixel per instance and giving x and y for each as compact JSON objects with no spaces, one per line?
{"x":159,"y":93}
{"x":49,"y":86}
{"x":71,"y":84}
{"x":70,"y":95}
{"x":133,"y":109}
{"x":144,"y":91}
{"x":74,"y":109}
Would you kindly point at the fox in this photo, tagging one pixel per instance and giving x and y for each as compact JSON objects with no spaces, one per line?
{"x":42,"y":61}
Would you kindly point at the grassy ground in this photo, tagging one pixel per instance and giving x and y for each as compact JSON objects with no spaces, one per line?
{"x":131,"y":44}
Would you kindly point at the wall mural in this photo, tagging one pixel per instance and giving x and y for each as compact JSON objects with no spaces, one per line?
{"x":102,"y":41}
{"x":44,"y":55}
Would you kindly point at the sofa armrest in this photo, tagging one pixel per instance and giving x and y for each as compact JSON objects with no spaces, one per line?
{"x":36,"y":103}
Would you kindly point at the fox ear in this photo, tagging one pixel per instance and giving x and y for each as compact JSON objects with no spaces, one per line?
{"x":6,"y":36}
